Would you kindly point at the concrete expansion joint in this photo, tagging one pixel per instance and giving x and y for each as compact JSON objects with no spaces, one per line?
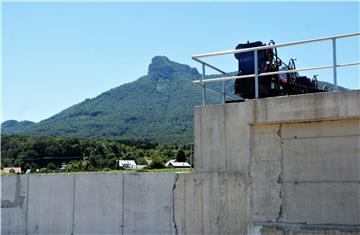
{"x":280,"y":178}
{"x":173,"y":204}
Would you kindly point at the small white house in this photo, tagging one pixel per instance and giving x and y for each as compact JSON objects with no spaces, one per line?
{"x":127,"y":164}
{"x":167,"y":164}
{"x":63,"y":167}
{"x":179,"y":165}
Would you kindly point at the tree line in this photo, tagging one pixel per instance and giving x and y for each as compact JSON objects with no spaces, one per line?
{"x":49,"y":153}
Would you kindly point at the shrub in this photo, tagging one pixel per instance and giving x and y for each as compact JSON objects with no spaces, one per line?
{"x":51,"y":166}
{"x":43,"y":170}
{"x":157,"y":163}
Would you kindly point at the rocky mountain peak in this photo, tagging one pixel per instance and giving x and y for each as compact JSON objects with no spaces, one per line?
{"x":163,"y":66}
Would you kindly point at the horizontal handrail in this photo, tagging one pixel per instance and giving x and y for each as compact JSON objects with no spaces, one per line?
{"x":215,"y":91}
{"x":271,"y":73}
{"x":202,"y":82}
{"x":274,"y":46}
{"x":211,"y":66}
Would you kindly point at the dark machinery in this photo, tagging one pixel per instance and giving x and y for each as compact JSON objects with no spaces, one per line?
{"x":271,"y":85}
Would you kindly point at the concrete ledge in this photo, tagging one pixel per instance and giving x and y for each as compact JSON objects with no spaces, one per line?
{"x":294,"y":108}
{"x":302,"y":229}
{"x":307,"y":107}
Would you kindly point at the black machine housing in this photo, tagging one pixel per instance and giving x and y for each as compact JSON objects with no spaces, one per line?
{"x":271,"y":85}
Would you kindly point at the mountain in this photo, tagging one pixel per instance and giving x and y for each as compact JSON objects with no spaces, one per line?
{"x":329,"y":86}
{"x":158,"y":106}
{"x":13,"y":126}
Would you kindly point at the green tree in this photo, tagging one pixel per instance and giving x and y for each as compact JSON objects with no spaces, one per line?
{"x":51,"y":166}
{"x":157,"y":163}
{"x":73,"y":166}
{"x":34,"y":166}
{"x":180,"y":156}
{"x":27,"y":166}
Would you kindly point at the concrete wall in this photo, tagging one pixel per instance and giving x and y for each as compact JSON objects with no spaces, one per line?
{"x":117,"y":203}
{"x":314,"y":178}
{"x":88,"y":204}
{"x":211,"y":203}
{"x":285,"y":165}
{"x":300,"y":156}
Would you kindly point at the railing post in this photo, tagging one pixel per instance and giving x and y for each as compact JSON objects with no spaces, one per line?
{"x":224,"y":94}
{"x":334,"y":63}
{"x":203,"y":85}
{"x":256,"y":74}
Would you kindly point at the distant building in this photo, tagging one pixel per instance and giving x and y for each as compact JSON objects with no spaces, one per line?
{"x":127,"y":164}
{"x":63,"y":167}
{"x":148,"y":161}
{"x":167,"y":164}
{"x":8,"y":170}
{"x":175,"y":164}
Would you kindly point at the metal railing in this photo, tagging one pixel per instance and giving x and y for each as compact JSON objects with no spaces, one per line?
{"x":202,"y":82}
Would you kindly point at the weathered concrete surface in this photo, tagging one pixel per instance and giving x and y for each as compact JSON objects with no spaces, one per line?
{"x":50,"y":205}
{"x":148,"y":203}
{"x":221,"y":143}
{"x":265,"y":172}
{"x":316,"y":180}
{"x":211,"y":203}
{"x":90,"y":203}
{"x":188,"y":204}
{"x":134,"y":203}
{"x":98,"y":203}
{"x":13,"y":204}
{"x":321,"y":203}
{"x":237,"y":150}
{"x":331,"y":153}
{"x":214,"y":156}
{"x":302,"y":173}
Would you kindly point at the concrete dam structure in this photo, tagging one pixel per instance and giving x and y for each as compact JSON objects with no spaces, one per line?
{"x":283,"y":165}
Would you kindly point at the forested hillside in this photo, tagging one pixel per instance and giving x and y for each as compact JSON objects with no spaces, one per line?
{"x":158,"y":106}
{"x":47,"y":153}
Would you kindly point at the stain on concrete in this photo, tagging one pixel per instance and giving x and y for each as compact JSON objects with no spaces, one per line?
{"x":279,"y":131}
{"x":19,"y":198}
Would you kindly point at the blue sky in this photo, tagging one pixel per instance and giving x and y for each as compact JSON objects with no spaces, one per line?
{"x":55,"y":55}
